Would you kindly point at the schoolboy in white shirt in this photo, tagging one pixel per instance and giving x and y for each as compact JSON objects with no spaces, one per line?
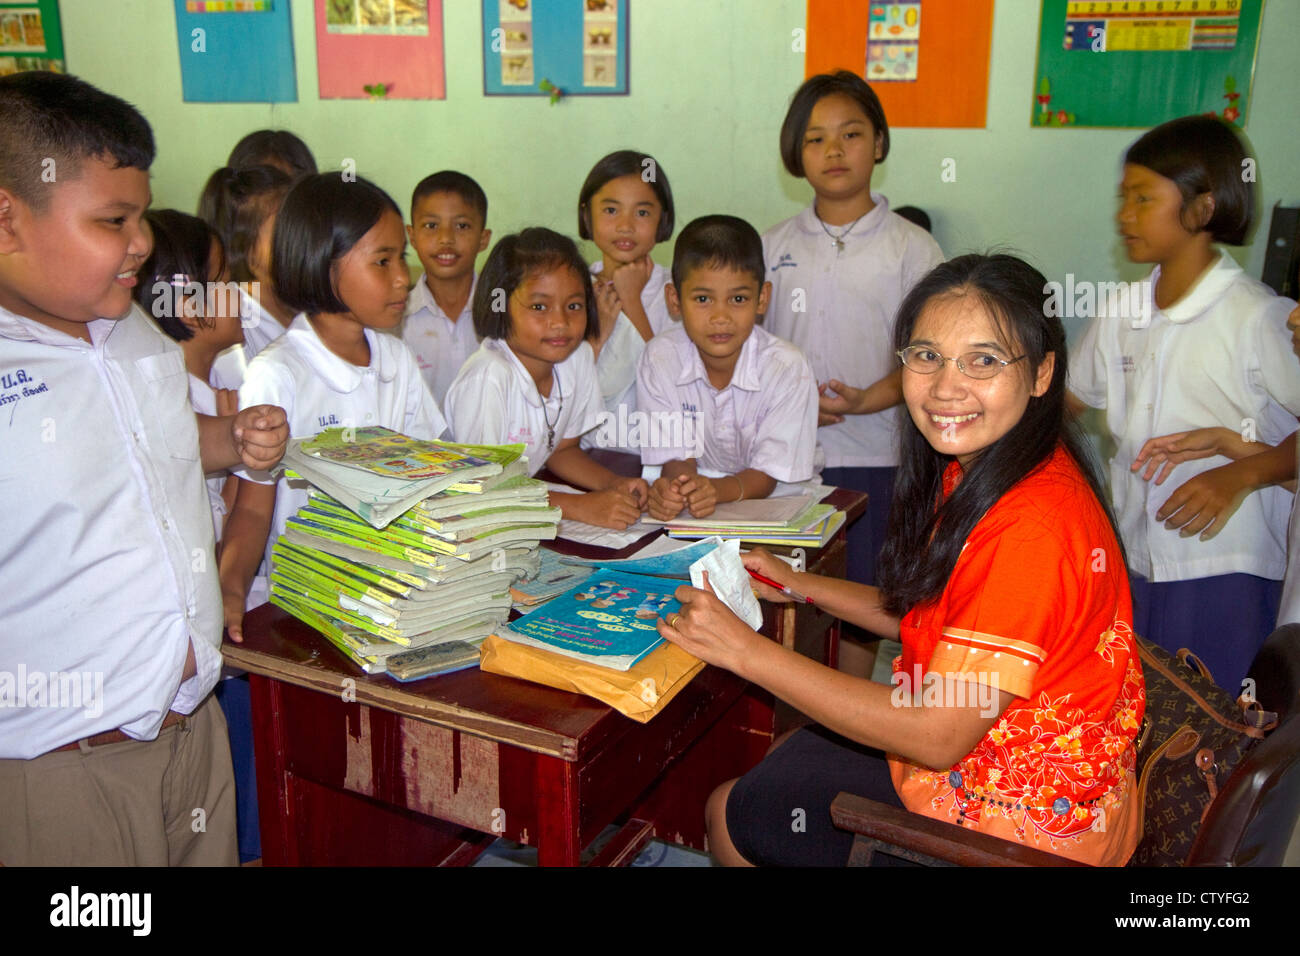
{"x":448,"y":230}
{"x":745,"y":399}
{"x":106,"y":539}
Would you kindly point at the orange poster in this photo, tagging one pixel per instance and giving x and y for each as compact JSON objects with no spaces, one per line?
{"x":927,"y":60}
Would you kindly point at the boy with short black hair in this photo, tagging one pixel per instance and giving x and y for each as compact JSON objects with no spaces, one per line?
{"x":746,"y":400}
{"x":448,"y":231}
{"x":111,"y":749}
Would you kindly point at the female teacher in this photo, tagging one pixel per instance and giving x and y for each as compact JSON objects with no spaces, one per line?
{"x":1018,"y":695}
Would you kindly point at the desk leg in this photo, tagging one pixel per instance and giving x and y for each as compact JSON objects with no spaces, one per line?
{"x":558,"y":828}
{"x":278,"y":845}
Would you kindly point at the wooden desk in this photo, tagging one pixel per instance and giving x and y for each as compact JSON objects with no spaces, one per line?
{"x":361,"y":769}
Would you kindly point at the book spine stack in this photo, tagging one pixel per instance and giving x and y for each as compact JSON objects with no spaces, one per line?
{"x":418,"y":596}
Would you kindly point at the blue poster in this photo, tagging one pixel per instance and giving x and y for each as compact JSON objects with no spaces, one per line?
{"x":236,"y":52}
{"x":537,"y":47}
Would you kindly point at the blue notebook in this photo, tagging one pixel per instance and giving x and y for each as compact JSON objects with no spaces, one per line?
{"x":610,"y":619}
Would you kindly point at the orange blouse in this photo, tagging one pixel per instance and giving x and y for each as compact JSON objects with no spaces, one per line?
{"x":1037,"y":605}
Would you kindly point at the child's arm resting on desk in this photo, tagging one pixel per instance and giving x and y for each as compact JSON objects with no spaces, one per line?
{"x":614,"y":501}
{"x":242,"y":548}
{"x":859,"y":709}
{"x":254,"y":437}
{"x":680,"y":485}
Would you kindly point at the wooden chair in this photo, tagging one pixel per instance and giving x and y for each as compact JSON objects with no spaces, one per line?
{"x":1250,"y":822}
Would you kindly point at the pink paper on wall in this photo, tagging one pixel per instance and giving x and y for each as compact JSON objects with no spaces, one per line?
{"x":390,"y":49}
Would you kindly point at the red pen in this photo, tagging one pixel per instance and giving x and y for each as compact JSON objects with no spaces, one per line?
{"x":791,"y":593}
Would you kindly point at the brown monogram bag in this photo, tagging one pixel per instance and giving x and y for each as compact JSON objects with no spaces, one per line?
{"x":1192,"y":737}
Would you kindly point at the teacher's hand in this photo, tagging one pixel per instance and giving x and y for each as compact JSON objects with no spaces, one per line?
{"x":708,"y":629}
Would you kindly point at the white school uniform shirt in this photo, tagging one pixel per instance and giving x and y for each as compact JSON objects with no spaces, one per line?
{"x":494,"y":401}
{"x":204,"y":400}
{"x":261,"y":328}
{"x":766,"y":417}
{"x":107,"y":572}
{"x":847,"y":304}
{"x":1289,"y":610}
{"x":441,"y":346}
{"x":317,"y":390}
{"x":1221,"y":356}
{"x":617,"y":362}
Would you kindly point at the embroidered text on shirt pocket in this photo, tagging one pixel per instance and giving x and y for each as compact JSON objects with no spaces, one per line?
{"x":167,"y":400}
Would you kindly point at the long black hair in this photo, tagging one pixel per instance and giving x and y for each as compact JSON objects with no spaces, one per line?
{"x":923,"y":542}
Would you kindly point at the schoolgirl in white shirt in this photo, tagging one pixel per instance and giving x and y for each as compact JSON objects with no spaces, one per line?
{"x":1210,"y":348}
{"x":625,"y":207}
{"x":533,"y":380}
{"x":241,"y":205}
{"x":839,"y":271}
{"x":730,"y":409}
{"x":338,"y":258}
{"x":448,"y":230}
{"x":183,"y":286}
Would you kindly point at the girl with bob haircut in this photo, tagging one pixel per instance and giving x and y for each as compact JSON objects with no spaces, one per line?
{"x":852,"y":259}
{"x":626,"y":208}
{"x":533,"y":379}
{"x":241,"y":206}
{"x":339,"y":261}
{"x":1202,"y":375}
{"x":1018,"y":695}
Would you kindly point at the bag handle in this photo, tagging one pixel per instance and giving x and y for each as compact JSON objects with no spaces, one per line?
{"x":1149,"y":659}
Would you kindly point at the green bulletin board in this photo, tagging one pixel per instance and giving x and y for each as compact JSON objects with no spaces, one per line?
{"x":30,"y":36}
{"x":1138,"y":63}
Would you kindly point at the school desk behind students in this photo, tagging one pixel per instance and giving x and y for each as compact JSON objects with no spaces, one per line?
{"x":337,"y":259}
{"x":625,"y":207}
{"x":448,"y":230}
{"x":241,"y":205}
{"x":839,"y":270}
{"x":745,"y":400}
{"x":106,"y":538}
{"x":533,"y":380}
{"x":1210,"y":349}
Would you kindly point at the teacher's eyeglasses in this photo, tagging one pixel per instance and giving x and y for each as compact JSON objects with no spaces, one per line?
{"x":926,"y":361}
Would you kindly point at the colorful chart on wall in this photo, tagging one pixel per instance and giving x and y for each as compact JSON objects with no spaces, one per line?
{"x":236,"y":51}
{"x":30,"y":37}
{"x":578,"y":47}
{"x":1137,"y":63}
{"x":381,"y":49}
{"x":927,"y":60}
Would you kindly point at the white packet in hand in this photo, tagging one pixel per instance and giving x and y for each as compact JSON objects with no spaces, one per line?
{"x":730,"y":581}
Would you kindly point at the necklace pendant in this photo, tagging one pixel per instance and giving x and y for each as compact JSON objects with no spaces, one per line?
{"x":838,"y":244}
{"x":550,"y":438}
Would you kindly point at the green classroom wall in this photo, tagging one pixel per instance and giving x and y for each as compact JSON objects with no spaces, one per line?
{"x":709,"y":85}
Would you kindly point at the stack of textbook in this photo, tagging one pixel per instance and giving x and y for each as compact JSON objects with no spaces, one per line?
{"x":794,"y":520}
{"x":414,"y":591}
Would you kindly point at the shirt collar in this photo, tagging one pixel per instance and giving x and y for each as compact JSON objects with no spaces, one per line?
{"x":1207,"y":290}
{"x":339,"y":374}
{"x":744,"y":376}
{"x":19,"y":328}
{"x":811,"y":225}
{"x":421,"y":297}
{"x":527,"y":387}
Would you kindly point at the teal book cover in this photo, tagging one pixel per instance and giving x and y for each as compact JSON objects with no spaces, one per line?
{"x":610,"y":619}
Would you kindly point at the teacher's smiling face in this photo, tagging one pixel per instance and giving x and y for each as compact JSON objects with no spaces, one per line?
{"x":961,"y":413}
